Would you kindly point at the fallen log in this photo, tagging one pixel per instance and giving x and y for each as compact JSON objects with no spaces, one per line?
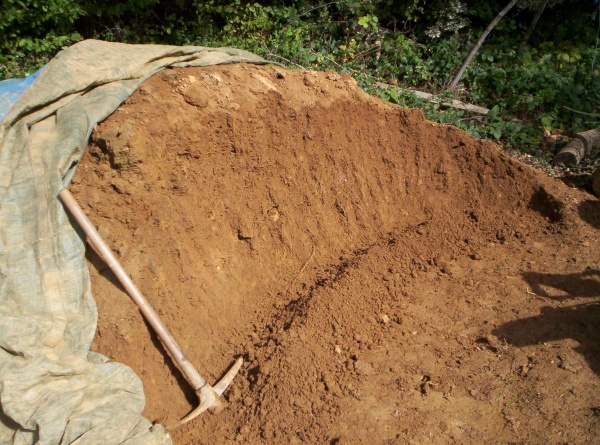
{"x":578,"y":148}
{"x":447,"y":103}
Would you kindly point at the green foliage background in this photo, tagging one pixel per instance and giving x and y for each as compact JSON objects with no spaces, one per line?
{"x":547,"y":84}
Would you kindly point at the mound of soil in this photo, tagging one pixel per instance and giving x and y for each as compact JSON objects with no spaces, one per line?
{"x":387,"y":279}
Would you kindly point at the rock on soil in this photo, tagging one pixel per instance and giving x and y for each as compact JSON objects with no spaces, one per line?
{"x":386,"y":279}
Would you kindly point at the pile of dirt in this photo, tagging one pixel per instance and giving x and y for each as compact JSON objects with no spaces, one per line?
{"x":387,"y":279}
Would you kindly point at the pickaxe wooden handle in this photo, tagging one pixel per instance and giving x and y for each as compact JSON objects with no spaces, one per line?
{"x":208,"y":395}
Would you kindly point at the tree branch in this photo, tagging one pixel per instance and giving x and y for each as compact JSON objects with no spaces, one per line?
{"x":473,"y":52}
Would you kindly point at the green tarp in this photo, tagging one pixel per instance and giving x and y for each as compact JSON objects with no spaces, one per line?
{"x":52,"y":389}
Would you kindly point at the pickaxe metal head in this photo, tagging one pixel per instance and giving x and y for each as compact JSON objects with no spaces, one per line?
{"x":210,"y":396}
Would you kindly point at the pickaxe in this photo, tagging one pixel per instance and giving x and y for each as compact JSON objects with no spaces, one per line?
{"x":208,"y":395}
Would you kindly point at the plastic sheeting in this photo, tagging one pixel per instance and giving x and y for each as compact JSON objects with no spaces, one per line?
{"x":11,"y":90}
{"x":53,"y":390}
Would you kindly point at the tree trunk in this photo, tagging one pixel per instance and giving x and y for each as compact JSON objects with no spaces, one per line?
{"x":473,"y":52}
{"x":536,"y":18}
{"x":581,"y":146}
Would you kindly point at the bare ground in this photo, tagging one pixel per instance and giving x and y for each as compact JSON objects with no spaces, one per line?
{"x":386,"y":279}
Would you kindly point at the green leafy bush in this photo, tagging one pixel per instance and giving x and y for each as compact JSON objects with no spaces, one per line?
{"x":536,"y":84}
{"x":31,"y":31}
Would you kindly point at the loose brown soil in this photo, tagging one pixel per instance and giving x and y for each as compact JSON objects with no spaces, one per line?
{"x":387,"y":280}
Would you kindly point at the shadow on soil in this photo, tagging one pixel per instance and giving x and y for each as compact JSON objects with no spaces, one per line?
{"x":581,"y":181}
{"x":589,"y":211}
{"x":578,"y":322}
{"x":100,"y":265}
{"x":546,"y":204}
